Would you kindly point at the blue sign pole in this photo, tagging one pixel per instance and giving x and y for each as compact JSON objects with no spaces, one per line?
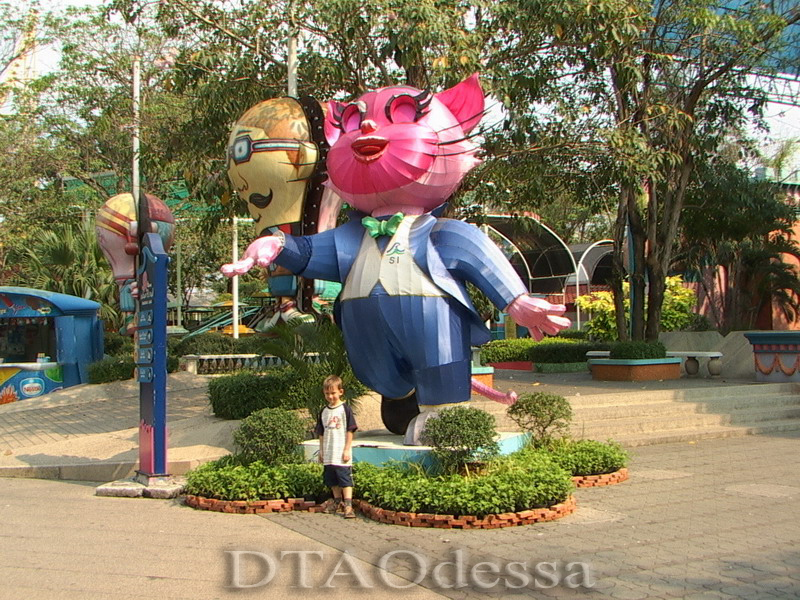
{"x":151,"y":356}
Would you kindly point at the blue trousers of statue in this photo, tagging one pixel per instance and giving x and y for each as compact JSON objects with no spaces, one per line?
{"x":398,"y":344}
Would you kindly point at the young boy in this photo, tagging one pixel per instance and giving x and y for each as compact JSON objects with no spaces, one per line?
{"x":335,"y":428}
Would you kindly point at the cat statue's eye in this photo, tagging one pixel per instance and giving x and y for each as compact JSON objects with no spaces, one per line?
{"x":402,"y":109}
{"x":405,"y":108}
{"x":351,"y":117}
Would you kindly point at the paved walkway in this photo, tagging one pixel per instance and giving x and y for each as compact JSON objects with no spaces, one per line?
{"x":711,"y":519}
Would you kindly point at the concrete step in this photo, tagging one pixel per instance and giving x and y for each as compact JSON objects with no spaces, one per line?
{"x":704,"y":394}
{"x":691,"y":435}
{"x":639,"y":417}
{"x":698,"y":421}
{"x":680,"y":407}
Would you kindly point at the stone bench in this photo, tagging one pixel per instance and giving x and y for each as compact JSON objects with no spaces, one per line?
{"x":691,"y":364}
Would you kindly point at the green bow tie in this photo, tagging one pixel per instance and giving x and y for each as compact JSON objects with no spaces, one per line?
{"x":378,"y":228}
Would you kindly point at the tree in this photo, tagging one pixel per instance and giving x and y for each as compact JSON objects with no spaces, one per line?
{"x":676,"y":315}
{"x":67,"y":259}
{"x":664,"y":81}
{"x":739,"y":226}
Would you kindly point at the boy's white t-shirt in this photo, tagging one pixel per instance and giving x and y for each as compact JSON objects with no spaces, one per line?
{"x":333,"y":425}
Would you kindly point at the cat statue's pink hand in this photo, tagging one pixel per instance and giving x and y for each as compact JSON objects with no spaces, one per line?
{"x":539,"y":316}
{"x":261,"y":253}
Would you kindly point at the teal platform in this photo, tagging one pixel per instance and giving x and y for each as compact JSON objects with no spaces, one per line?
{"x":379,"y":446}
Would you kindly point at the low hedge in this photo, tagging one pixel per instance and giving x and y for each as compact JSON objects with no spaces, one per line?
{"x":518,"y":349}
{"x":119,"y":368}
{"x":116,"y":344}
{"x":586,"y":457}
{"x":507,"y":484}
{"x":238,"y":395}
{"x":228,"y":478}
{"x":206,"y":343}
{"x":638,"y":350}
{"x":506,"y":350}
{"x":241,"y":394}
{"x":572,"y":334}
{"x":563,"y":351}
{"x":272,"y":435}
{"x":112,"y":368}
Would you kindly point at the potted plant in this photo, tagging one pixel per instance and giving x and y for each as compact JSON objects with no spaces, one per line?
{"x":636,"y":361}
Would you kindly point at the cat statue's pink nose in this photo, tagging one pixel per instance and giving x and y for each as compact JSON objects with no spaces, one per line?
{"x":368,"y":126}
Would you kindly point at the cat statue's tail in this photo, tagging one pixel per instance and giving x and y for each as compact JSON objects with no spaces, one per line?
{"x":508,"y":398}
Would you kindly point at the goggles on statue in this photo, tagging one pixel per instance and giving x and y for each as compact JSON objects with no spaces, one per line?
{"x":244,"y":147}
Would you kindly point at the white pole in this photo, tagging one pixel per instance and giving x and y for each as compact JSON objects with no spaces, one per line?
{"x":578,"y":293}
{"x":235,"y":284}
{"x":291,"y":59}
{"x":137,"y":87}
{"x":179,"y":286}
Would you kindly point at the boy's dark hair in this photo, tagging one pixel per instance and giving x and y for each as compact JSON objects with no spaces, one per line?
{"x":332,"y":381}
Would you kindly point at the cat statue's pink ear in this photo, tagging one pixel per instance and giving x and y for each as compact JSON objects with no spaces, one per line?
{"x":332,"y":116}
{"x":465,"y":100}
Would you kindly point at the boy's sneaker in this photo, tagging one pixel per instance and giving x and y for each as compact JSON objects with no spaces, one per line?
{"x":331,"y":507}
{"x":348,"y":512}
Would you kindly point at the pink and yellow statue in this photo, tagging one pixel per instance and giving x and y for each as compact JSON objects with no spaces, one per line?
{"x":274,"y":164}
{"x":397,"y":154}
{"x":117,"y":233}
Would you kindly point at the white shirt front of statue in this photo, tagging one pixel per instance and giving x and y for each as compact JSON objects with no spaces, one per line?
{"x":394,"y":269}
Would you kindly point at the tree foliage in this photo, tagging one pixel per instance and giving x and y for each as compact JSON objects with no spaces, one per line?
{"x":601,"y":110}
{"x":677,"y":311}
{"x":735,"y":231}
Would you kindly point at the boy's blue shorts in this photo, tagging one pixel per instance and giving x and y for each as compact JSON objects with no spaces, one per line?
{"x":334,"y":475}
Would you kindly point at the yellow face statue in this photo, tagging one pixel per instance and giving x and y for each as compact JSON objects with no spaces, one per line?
{"x":270,"y":158}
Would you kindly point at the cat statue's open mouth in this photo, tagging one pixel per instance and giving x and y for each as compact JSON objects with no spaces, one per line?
{"x":369,"y":148}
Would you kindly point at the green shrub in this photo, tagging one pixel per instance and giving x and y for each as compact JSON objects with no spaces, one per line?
{"x":115,"y":344}
{"x":544,"y":416}
{"x":563,"y":351}
{"x":505,"y":485}
{"x":461,"y":435}
{"x":113,"y":368}
{"x":205,"y":343}
{"x":676,"y":311}
{"x":638,"y":350}
{"x":271,"y":435}
{"x":294,"y":340}
{"x":251,"y":344}
{"x":588,"y":457}
{"x":229,"y":479}
{"x":571,"y":334}
{"x":699,"y":323}
{"x":306,"y":391}
{"x":239,"y":395}
{"x":506,"y":350}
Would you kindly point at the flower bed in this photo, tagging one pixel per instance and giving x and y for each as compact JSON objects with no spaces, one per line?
{"x":490,"y":521}
{"x":584,"y":481}
{"x":245,"y":507}
{"x":513,"y":365}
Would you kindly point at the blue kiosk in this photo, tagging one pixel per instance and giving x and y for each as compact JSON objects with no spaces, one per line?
{"x":47,"y":341}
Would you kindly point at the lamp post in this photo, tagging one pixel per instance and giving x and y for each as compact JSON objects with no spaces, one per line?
{"x":151,"y":314}
{"x":137,"y":92}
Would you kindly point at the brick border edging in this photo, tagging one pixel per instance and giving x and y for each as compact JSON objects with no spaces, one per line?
{"x":408,"y":519}
{"x":245,"y":507}
{"x":584,"y":481}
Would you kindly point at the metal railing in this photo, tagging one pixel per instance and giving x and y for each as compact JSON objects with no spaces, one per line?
{"x":214,"y":364}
